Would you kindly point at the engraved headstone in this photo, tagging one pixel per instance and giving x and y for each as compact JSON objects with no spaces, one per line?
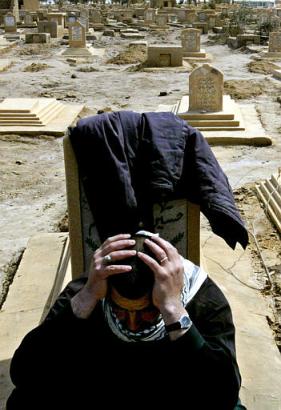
{"x":190,"y":40}
{"x":10,"y":25}
{"x":206,"y":89}
{"x":77,"y":35}
{"x":274,"y":45}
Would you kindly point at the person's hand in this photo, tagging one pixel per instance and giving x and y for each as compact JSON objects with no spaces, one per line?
{"x":168,"y":275}
{"x":112,"y":250}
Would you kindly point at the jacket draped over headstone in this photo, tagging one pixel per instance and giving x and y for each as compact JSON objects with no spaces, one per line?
{"x":127,"y":161}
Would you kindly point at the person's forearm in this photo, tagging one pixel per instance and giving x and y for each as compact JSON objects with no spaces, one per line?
{"x":171,"y":313}
{"x":83,"y":303}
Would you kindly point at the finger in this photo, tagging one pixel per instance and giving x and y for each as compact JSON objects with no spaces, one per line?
{"x":117,"y":256}
{"x":168,"y":248}
{"x":150,"y":262}
{"x":156,"y":249}
{"x":115,"y":270}
{"x":118,"y":237}
{"x":116,"y":245}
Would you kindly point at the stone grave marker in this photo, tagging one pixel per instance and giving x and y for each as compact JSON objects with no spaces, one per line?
{"x":77,"y":35}
{"x":274,"y":45}
{"x":190,"y":40}
{"x":206,"y":89}
{"x":10,"y":24}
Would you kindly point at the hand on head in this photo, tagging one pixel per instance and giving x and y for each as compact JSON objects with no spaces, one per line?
{"x":113,"y":249}
{"x":168,"y":272}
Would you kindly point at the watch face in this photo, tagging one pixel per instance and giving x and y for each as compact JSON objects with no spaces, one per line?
{"x":185,"y":322}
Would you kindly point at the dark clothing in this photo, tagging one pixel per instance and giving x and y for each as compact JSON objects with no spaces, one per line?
{"x":68,"y":362}
{"x":128,"y":161}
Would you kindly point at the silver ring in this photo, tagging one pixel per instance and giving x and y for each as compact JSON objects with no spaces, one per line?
{"x":107,"y":259}
{"x":163,"y":260}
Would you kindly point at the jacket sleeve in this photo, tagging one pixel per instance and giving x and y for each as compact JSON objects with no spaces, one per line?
{"x":210,"y":346}
{"x":205,"y":183}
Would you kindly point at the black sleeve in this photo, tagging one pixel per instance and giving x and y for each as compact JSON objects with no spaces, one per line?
{"x":209,"y":347}
{"x":44,"y":352}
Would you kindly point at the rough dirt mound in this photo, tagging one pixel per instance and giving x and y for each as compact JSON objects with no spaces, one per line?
{"x":33,"y":49}
{"x":87,"y":69}
{"x":262,"y":67}
{"x":35,"y":67}
{"x":243,"y":89}
{"x":132,"y":55}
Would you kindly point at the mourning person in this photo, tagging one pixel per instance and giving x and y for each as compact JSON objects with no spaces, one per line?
{"x":146,"y":327}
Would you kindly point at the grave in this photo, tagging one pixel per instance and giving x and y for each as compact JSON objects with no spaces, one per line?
{"x":190,"y":41}
{"x":57,"y":18}
{"x":77,"y":43}
{"x":217,"y":116}
{"x":10,"y":24}
{"x":269,"y":192}
{"x":164,"y":55}
{"x":31,"y":5}
{"x":274,"y":45}
{"x":50,"y":27}
{"x":37,"y":38}
{"x":36,"y":116}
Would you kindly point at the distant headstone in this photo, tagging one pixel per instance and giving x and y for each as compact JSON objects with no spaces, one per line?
{"x":10,"y":25}
{"x":190,"y":40}
{"x":28,"y":19}
{"x":50,"y":27}
{"x":274,"y":45}
{"x":206,"y":89}
{"x":161,"y":19}
{"x":31,"y":5}
{"x":77,"y":35}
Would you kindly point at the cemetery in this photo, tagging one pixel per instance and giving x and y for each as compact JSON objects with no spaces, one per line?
{"x":215,"y":65}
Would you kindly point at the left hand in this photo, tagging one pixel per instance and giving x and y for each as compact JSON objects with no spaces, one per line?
{"x":168,"y":274}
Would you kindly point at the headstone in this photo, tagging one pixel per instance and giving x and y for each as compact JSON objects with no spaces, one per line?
{"x":206,"y":89}
{"x":77,"y":35}
{"x":10,"y":25}
{"x":161,"y":19}
{"x":50,"y":27}
{"x":31,"y":5}
{"x":28,"y":19}
{"x":274,"y":45}
{"x":190,"y":40}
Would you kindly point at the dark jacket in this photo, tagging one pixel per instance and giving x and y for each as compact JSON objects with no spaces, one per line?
{"x":69,"y":363}
{"x":127,"y":161}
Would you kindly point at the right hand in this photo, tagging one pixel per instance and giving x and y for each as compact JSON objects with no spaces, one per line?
{"x":95,"y":289}
{"x":116,"y":248}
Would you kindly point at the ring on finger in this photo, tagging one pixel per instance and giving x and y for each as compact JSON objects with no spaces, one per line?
{"x":163,"y":259}
{"x":107,"y":259}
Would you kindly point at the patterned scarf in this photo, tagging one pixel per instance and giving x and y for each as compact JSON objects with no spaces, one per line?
{"x":194,"y":276}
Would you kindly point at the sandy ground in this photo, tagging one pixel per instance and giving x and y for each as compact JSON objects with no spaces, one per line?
{"x":32,"y":187}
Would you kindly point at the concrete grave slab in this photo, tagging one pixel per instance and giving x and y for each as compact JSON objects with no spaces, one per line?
{"x":269,"y":192}
{"x":36,"y":116}
{"x":253,"y":134}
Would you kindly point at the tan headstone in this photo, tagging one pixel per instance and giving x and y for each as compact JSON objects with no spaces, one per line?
{"x":274,"y":45}
{"x":10,"y":25}
{"x":206,"y":89}
{"x":190,"y":40}
{"x":77,"y":35}
{"x":31,"y":5}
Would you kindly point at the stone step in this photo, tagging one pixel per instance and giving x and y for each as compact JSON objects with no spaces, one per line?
{"x":269,"y":192}
{"x":41,"y":112}
{"x":213,"y":123}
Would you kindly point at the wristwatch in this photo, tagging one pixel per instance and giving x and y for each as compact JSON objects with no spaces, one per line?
{"x":184,"y":322}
